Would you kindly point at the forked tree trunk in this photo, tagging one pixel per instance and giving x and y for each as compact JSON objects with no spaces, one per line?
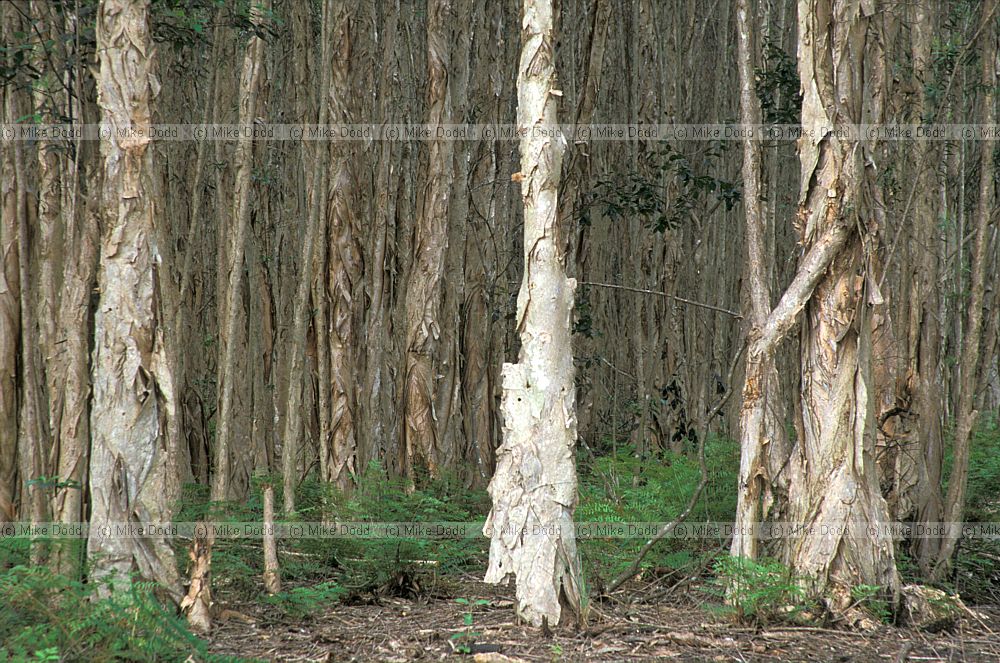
{"x":534,"y":487}
{"x":132,"y":459}
{"x":834,"y":479}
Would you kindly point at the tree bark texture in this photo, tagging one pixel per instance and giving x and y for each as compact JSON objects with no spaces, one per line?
{"x":132,"y":464}
{"x":534,"y":487}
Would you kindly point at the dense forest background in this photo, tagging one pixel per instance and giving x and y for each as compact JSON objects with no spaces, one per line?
{"x":184,"y":323}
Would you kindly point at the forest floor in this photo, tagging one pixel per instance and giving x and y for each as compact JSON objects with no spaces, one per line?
{"x":641,"y":622}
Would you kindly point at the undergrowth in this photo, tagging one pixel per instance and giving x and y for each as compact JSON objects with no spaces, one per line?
{"x":48,"y":617}
{"x":321,"y":571}
{"x":756,"y":591}
{"x":625,"y":488}
{"x":977,"y":566}
{"x":341,"y":567}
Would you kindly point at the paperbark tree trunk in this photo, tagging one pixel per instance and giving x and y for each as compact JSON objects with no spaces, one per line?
{"x":339,"y":453}
{"x":917,"y":477}
{"x":834,"y":479}
{"x":300,"y":317}
{"x":424,"y":291}
{"x":69,"y":368}
{"x":763,"y":445}
{"x":534,"y":487}
{"x":132,"y":459}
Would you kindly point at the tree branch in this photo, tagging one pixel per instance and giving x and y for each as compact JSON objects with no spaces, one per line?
{"x":682,"y":300}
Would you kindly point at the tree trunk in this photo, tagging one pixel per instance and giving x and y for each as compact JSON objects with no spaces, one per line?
{"x":762,"y":436}
{"x":534,"y":487}
{"x":297,"y":348}
{"x":69,"y":364}
{"x":917,"y":475}
{"x":132,"y":460}
{"x":344,"y":268}
{"x":230,"y":299}
{"x":834,"y":479}
{"x":430,"y":246}
{"x":11,"y":207}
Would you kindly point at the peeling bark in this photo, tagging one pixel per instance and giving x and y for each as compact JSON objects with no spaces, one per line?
{"x":230,"y":298}
{"x":69,"y":364}
{"x":763,"y":445}
{"x":132,"y":459}
{"x":834,"y":478}
{"x":197,"y":603}
{"x":339,"y":455}
{"x":425,"y":287}
{"x":292,"y":431}
{"x":272,"y":573}
{"x":534,"y":487}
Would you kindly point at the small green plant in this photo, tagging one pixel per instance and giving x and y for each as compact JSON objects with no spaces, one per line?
{"x":670,"y":190}
{"x":463,"y":640}
{"x":870,"y":598}
{"x":758,"y":590}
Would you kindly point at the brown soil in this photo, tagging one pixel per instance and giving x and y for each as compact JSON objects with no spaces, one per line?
{"x":641,"y":622}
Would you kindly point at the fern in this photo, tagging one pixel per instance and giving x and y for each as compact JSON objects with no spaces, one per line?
{"x":758,"y":590}
{"x":625,"y":488}
{"x":46,"y":616}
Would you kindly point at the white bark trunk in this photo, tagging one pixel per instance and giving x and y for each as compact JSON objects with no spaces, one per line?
{"x":534,"y":488}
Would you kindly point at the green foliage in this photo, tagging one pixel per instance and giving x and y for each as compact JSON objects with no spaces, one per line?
{"x":181,"y":23}
{"x":872,"y":599}
{"x":385,"y":562}
{"x":983,"y":490}
{"x":777,"y":85}
{"x":236,"y":563}
{"x":45,"y":616}
{"x":583,"y":315}
{"x":28,"y":59}
{"x":977,"y":567}
{"x":625,"y":488}
{"x":302,"y":602}
{"x":665,"y":193}
{"x":355,"y":564}
{"x":53,"y":482}
{"x":14,"y":551}
{"x":757,"y":590}
{"x":463,"y":640}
